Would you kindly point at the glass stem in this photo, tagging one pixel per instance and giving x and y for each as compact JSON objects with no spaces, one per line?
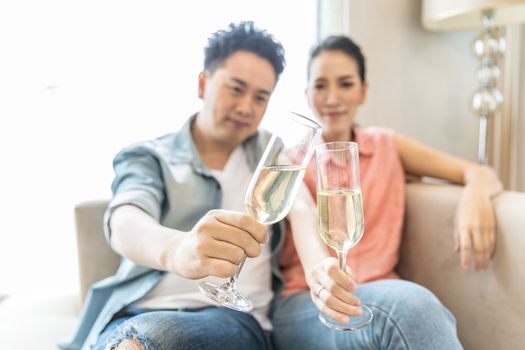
{"x":233,"y":279}
{"x":341,"y":256}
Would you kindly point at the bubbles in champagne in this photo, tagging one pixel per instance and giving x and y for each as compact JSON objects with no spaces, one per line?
{"x":340,"y":215}
{"x":270,"y":198}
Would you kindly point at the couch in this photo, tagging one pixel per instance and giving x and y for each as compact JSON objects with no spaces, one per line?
{"x":489,"y":306}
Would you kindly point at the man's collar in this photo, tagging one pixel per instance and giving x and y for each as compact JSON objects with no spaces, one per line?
{"x":185,"y":150}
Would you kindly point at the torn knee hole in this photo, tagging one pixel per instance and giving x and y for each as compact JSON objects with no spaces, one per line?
{"x":128,"y":344}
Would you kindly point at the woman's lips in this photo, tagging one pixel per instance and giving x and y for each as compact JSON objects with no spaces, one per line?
{"x":334,"y":114}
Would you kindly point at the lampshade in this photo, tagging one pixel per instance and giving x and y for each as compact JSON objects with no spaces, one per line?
{"x":445,"y":15}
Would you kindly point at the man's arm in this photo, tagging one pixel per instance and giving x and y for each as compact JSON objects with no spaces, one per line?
{"x":215,"y":246}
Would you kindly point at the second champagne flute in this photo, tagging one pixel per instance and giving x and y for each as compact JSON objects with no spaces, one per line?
{"x":272,"y":190}
{"x":340,"y":211}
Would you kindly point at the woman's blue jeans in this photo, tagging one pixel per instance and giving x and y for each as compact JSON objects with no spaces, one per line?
{"x":196,"y":329}
{"x":406,"y":316}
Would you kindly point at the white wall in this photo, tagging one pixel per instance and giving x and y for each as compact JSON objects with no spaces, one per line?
{"x":420,"y":82}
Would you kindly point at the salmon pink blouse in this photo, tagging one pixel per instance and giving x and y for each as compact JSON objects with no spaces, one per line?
{"x":383,"y":190}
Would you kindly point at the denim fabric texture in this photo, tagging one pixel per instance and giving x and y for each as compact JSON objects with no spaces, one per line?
{"x":406,"y":316}
{"x":199,"y":329}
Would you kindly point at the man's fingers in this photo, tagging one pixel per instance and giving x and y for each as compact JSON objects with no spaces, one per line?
{"x":221,"y":268}
{"x":218,"y":230}
{"x":222,"y":251}
{"x":243,"y":221}
{"x":237,"y":237}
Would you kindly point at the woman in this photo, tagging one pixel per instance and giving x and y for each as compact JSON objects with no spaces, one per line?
{"x":405,"y":315}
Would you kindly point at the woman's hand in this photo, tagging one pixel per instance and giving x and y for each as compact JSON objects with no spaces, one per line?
{"x":475,"y":223}
{"x":331,"y":291}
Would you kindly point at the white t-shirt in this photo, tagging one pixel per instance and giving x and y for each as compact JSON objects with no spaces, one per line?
{"x":255,"y":279}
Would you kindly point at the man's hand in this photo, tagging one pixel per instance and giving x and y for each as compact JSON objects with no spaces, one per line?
{"x":216,"y":245}
{"x":331,"y":291}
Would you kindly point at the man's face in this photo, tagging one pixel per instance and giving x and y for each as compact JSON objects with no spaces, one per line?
{"x":235,"y":97}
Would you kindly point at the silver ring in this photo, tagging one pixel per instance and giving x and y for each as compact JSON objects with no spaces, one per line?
{"x":318,"y":293}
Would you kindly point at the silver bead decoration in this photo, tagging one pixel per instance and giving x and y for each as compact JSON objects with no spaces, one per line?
{"x":486,"y":100}
{"x":489,"y":72}
{"x":488,"y":44}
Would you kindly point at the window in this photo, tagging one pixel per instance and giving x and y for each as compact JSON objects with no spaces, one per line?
{"x":80,"y":80}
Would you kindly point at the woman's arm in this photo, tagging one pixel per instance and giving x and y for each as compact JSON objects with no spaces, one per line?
{"x":475,"y":222}
{"x":330,"y":288}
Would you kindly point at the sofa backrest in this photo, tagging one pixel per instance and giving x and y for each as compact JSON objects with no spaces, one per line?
{"x":96,"y":259}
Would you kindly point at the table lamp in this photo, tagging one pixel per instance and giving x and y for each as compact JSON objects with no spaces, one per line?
{"x":488,"y":46}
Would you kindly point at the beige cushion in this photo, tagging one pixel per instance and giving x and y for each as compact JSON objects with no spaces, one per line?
{"x":489,"y":306}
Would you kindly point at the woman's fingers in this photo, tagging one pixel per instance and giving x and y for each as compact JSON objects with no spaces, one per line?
{"x":342,"y":292}
{"x":466,"y":246}
{"x":335,"y":315}
{"x":475,"y":228}
{"x":331,"y":291}
{"x":483,"y":247}
{"x":333,"y":307}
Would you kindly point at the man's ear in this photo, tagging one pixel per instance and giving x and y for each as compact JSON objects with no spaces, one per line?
{"x":202,"y":84}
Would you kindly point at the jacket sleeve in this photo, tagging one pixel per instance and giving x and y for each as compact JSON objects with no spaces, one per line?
{"x":138,"y":181}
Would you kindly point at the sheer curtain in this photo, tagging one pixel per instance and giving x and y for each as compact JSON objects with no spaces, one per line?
{"x":79,"y":81}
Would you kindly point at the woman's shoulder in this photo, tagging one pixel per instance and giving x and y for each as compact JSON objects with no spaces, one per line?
{"x":375,"y":135}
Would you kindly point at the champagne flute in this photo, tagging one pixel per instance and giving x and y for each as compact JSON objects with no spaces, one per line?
{"x":272,"y":190}
{"x":340,"y":211}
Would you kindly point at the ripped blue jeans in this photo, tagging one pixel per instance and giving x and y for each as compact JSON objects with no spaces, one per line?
{"x":206,"y":328}
{"x":406,"y":316}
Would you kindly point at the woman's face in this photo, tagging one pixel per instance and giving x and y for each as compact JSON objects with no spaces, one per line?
{"x":335,"y":91}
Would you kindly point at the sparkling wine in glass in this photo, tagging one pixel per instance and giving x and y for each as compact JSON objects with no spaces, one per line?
{"x":272,"y":190}
{"x":340,"y":211}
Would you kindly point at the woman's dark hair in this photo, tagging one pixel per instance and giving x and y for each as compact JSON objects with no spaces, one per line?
{"x":243,"y":36}
{"x":343,"y":44}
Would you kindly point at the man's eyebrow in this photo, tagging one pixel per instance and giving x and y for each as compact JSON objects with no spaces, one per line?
{"x":239,"y":81}
{"x":264,"y":92}
{"x":244,"y":84}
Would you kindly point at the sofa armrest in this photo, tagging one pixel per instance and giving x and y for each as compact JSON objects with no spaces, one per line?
{"x":489,"y":306}
{"x":96,"y":259}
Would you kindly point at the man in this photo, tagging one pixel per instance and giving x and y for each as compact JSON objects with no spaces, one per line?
{"x":177,"y":216}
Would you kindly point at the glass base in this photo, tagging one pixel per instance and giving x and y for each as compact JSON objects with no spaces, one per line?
{"x":226,"y":296}
{"x":355,"y":323}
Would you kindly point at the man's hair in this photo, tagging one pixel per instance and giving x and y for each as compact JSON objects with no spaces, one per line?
{"x":243,"y":36}
{"x":343,"y":44}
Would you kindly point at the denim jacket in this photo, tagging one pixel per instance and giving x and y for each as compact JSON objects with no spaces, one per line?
{"x":166,"y":178}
